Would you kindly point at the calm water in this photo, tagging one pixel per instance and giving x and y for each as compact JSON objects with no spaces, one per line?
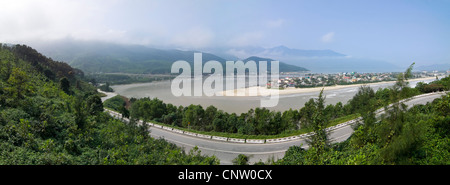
{"x":237,"y":104}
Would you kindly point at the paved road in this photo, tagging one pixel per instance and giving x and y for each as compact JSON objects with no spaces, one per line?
{"x":227,"y":151}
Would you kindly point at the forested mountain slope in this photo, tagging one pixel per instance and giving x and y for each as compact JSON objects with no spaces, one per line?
{"x":50,"y":115}
{"x":100,"y":57}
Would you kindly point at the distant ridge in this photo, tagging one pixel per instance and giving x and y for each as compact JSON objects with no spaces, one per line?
{"x":304,"y":53}
{"x":317,"y":61}
{"x":100,"y":57}
{"x":282,"y":52}
{"x":283,"y":67}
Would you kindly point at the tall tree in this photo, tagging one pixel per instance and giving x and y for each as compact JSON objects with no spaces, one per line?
{"x":209,"y":116}
{"x":80,"y":113}
{"x":64,"y":84}
{"x":19,"y":84}
{"x":392,"y":126}
{"x":401,"y":89}
{"x":94,"y":104}
{"x":364,"y":99}
{"x":318,"y":122}
{"x":364,"y":103}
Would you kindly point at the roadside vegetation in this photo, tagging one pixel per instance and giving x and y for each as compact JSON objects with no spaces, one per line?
{"x":418,"y":135}
{"x":50,"y":115}
{"x":261,"y":122}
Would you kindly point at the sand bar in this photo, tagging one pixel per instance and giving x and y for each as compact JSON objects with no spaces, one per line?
{"x":263,"y":91}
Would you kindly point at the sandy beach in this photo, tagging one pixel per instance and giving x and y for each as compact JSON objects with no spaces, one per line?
{"x":263,"y":91}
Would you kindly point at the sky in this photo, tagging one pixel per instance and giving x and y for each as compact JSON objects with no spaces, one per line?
{"x":396,"y":31}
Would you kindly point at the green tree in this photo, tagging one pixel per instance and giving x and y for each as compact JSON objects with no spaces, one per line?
{"x":94,"y":104}
{"x":64,"y":84}
{"x":421,"y":86}
{"x":306,"y":112}
{"x":5,"y":68}
{"x":219,"y":122}
{"x":18,"y":84}
{"x":395,"y":131}
{"x":124,"y":111}
{"x":364,"y":100}
{"x":262,"y":120}
{"x":193,"y":116}
{"x":210,"y":114}
{"x":290,"y":120}
{"x":148,"y":109}
{"x":318,"y":122}
{"x":80,"y":112}
{"x":231,"y":123}
{"x":40,"y":124}
{"x":241,"y":159}
{"x":115,"y":102}
{"x":339,"y":110}
{"x":106,"y":87}
{"x":400,"y":89}
{"x":157,"y":108}
{"x":364,"y":103}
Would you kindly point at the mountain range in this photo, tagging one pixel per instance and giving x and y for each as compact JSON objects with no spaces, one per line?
{"x":94,"y":57}
{"x":317,"y":61}
{"x":282,"y":51}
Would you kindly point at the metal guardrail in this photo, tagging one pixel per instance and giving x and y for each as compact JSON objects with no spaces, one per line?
{"x":226,"y":139}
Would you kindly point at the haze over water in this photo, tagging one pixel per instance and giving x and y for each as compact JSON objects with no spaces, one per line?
{"x":237,"y":104}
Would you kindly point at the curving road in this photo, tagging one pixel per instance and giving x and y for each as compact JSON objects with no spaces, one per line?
{"x":227,"y":151}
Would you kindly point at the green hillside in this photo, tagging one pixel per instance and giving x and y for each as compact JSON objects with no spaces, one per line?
{"x":50,"y":115}
{"x":99,"y":57}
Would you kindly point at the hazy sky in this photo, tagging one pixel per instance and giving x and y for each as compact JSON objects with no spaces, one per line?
{"x":394,"y":30}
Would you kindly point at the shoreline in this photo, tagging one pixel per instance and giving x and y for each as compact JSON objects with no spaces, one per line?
{"x":263,"y":91}
{"x":108,"y":95}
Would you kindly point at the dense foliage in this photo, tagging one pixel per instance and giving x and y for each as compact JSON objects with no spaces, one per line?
{"x":258,"y":121}
{"x":48,"y":115}
{"x":419,"y":135}
{"x":439,"y":85}
{"x":106,"y":87}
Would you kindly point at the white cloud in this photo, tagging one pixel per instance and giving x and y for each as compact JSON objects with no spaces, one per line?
{"x":141,"y":22}
{"x":329,"y":37}
{"x":27,"y":20}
